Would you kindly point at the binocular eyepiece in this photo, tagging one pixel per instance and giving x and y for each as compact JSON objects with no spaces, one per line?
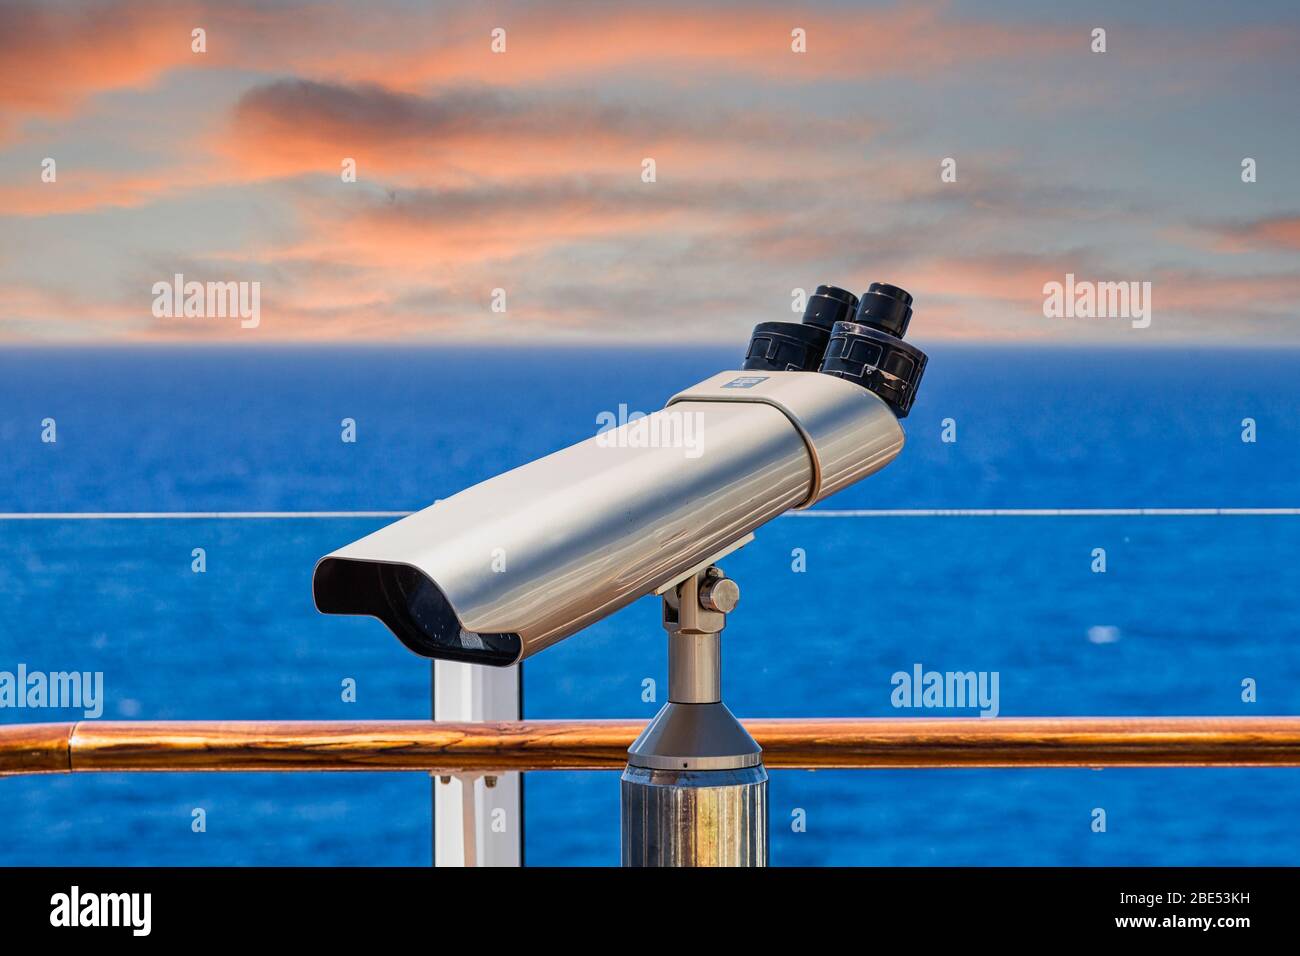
{"x":860,"y":340}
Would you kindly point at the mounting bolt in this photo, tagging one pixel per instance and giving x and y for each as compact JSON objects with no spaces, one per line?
{"x":719,"y":593}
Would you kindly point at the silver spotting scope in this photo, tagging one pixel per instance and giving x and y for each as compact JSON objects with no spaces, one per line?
{"x":510,"y":566}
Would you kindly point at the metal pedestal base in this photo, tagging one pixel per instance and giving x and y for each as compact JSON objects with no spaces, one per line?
{"x":695,"y":791}
{"x":695,"y":817}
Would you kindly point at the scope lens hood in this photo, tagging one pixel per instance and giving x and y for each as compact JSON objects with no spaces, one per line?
{"x":412,"y":606}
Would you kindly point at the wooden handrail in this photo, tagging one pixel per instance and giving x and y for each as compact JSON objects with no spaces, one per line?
{"x":601,"y":744}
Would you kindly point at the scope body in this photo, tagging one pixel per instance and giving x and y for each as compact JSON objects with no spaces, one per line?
{"x":512,"y":565}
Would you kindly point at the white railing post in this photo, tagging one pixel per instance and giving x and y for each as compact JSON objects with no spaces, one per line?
{"x":477,"y":818}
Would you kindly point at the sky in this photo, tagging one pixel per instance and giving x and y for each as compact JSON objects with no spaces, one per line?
{"x":516,"y":179}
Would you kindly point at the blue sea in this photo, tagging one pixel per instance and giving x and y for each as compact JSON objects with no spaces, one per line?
{"x":1187,"y":609}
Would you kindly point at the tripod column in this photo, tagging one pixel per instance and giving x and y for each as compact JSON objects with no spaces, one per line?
{"x":695,"y":792}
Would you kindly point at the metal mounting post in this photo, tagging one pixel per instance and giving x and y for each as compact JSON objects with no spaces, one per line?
{"x":695,"y":790}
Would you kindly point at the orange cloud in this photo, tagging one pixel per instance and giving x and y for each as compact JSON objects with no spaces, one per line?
{"x":556,"y":45}
{"x":441,"y":229}
{"x":1268,"y":234}
{"x":34,"y":313}
{"x":53,"y":55}
{"x":84,"y":190}
{"x":1001,"y":296}
{"x":467,"y":135}
{"x":1275,"y":232}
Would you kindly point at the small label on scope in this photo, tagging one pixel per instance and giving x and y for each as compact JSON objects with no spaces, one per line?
{"x":746,"y":381}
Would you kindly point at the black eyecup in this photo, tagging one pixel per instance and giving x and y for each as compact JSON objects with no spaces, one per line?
{"x":885,"y":307}
{"x":828,"y":305}
{"x":799,"y":346}
{"x":877,"y":361}
{"x":785,"y":347}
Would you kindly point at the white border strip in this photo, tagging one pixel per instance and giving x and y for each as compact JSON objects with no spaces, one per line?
{"x":816,"y":513}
